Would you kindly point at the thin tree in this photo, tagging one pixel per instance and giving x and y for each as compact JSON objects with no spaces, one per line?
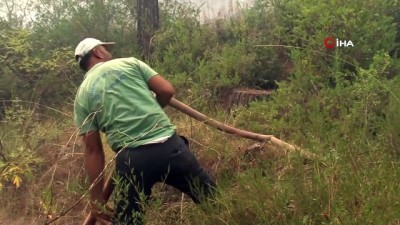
{"x":147,"y":24}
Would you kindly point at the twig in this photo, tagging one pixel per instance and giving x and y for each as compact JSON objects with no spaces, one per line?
{"x":96,"y":181}
{"x":1,"y":152}
{"x":44,"y":106}
{"x":183,"y":196}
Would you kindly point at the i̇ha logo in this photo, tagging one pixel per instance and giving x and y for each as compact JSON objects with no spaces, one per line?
{"x":331,"y":42}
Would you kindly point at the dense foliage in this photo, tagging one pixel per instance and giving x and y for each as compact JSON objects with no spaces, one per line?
{"x":342,"y":104}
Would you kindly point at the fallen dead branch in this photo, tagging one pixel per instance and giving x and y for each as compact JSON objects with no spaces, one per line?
{"x":235,"y":131}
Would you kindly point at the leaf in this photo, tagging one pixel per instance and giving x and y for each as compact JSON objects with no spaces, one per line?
{"x":17,"y":181}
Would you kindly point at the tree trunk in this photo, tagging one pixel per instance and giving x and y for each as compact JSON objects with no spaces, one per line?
{"x":147,"y":24}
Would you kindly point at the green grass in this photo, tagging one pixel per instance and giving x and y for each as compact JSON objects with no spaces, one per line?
{"x":355,"y":181}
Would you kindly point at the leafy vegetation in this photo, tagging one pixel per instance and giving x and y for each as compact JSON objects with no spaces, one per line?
{"x":342,"y":104}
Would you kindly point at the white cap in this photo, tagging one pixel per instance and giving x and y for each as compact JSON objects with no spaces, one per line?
{"x":87,"y":45}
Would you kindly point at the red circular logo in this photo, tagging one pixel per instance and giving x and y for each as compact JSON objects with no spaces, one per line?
{"x":330,"y":42}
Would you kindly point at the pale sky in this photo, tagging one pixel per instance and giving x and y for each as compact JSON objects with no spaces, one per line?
{"x":210,"y":9}
{"x":218,"y":8}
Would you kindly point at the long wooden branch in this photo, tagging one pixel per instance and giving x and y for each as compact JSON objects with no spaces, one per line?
{"x":232,"y":130}
{"x":108,"y":187}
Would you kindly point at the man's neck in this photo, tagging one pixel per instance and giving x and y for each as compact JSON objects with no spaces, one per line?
{"x":93,"y":63}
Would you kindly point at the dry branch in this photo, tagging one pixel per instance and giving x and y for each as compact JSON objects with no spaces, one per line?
{"x":241,"y":133}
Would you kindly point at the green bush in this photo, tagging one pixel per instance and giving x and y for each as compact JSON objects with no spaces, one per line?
{"x":392,"y":116}
{"x":31,"y":74}
{"x":307,"y":23}
{"x":18,"y":147}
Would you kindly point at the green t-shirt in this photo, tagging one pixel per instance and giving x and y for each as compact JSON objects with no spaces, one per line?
{"x":114,"y":98}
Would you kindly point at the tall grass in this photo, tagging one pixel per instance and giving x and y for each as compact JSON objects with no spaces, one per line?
{"x":341,"y":105}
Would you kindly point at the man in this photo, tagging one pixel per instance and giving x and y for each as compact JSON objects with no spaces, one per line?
{"x":117,"y":98}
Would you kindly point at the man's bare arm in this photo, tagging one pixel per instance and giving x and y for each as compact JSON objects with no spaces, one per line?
{"x":163,"y":89}
{"x":94,"y":163}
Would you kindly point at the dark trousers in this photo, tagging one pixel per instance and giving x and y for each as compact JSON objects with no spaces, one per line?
{"x":138,"y":169}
